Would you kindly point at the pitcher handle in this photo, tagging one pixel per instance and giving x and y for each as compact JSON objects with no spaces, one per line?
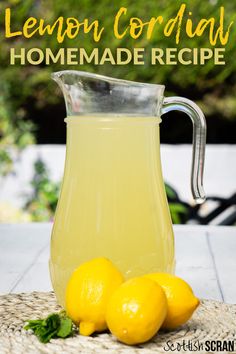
{"x":199,"y":140}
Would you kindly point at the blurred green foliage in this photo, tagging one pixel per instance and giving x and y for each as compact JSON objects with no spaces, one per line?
{"x":178,"y":209}
{"x":41,"y":203}
{"x":21,"y":87}
{"x":14,"y":131}
{"x":26,"y":90}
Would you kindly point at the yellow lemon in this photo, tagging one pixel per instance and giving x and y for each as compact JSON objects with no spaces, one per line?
{"x":180,"y":299}
{"x":87,"y":293}
{"x":136,"y":310}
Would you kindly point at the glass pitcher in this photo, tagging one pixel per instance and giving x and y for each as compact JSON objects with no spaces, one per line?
{"x":113,"y":202}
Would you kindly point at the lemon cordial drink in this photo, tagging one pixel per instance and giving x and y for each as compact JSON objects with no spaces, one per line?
{"x":112,"y":202}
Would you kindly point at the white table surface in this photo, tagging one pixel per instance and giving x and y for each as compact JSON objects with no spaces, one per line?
{"x":205,"y":257}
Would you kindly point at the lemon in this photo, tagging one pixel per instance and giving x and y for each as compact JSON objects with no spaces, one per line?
{"x":87,"y":293}
{"x":136,"y":310}
{"x":180,"y":299}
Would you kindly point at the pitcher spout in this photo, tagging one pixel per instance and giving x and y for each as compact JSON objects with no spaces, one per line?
{"x":87,"y":93}
{"x":70,"y":86}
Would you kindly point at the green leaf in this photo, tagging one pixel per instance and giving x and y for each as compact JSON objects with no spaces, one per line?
{"x":179,"y":208}
{"x":54,"y":326}
{"x":52,"y":321}
{"x":33,"y":324}
{"x":65,"y":328}
{"x":170,"y":192}
{"x":45,"y":333}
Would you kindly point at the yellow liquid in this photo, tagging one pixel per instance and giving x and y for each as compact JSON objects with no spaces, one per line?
{"x":112,"y":202}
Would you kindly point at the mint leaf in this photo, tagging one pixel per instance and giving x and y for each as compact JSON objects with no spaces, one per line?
{"x":52,"y":321}
{"x":65,"y":328}
{"x":44,"y":334}
{"x":33,"y":324}
{"x":54,"y":326}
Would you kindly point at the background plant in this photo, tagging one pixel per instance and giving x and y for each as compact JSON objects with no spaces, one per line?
{"x":29,"y":99}
{"x":31,"y":105}
{"x":41,"y":203}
